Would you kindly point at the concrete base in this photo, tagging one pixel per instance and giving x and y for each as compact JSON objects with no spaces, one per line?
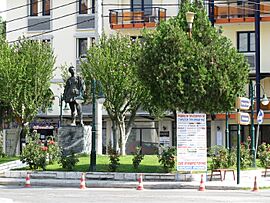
{"x":75,"y":139}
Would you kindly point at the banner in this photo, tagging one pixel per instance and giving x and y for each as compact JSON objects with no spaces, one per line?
{"x":191,"y":142}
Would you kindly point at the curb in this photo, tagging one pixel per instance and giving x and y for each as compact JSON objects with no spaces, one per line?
{"x":5,"y":200}
{"x":113,"y":184}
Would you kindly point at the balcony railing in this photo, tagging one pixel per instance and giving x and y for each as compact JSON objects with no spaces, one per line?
{"x":136,"y":18}
{"x":241,"y":11}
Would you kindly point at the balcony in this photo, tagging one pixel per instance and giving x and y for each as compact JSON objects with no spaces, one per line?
{"x":137,"y":18}
{"x":232,"y":12}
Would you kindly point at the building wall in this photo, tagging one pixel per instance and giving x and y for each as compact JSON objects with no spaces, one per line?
{"x":231,"y":29}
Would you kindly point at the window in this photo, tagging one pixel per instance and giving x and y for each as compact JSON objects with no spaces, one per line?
{"x":141,"y":5}
{"x":246,"y":41}
{"x":46,"y":7}
{"x":40,"y":7}
{"x":83,"y":44}
{"x":86,"y":6}
{"x":34,"y":7}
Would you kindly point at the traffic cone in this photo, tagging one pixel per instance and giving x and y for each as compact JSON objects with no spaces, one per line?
{"x":27,"y":181}
{"x":255,"y":188}
{"x":140,"y":186}
{"x":202,"y":186}
{"x":82,"y":185}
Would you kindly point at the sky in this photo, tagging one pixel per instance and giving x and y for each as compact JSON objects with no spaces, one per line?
{"x":2,"y":8}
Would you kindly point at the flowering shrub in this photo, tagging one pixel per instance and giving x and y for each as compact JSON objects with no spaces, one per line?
{"x":53,"y":150}
{"x":38,"y":154}
{"x":167,"y":158}
{"x":222,"y":157}
{"x":245,"y":155}
{"x":264,"y":154}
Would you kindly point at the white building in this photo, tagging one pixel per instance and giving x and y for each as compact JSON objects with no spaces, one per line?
{"x":71,"y":26}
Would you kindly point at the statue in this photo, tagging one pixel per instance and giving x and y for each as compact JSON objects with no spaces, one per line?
{"x":73,"y":94}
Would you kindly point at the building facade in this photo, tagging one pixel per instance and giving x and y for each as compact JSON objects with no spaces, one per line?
{"x":71,"y":26}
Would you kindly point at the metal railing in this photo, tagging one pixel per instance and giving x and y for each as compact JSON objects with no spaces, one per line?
{"x":239,"y":9}
{"x":137,"y":15}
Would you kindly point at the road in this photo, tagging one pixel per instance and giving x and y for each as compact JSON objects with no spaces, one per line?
{"x":73,"y":195}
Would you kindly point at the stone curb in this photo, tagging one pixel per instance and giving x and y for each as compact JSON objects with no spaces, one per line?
{"x":11,"y":165}
{"x":5,"y":200}
{"x":113,"y":184}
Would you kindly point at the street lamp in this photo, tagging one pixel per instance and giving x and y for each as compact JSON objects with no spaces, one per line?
{"x":190,"y":18}
{"x":66,"y":108}
{"x":101,"y":100}
{"x":264,"y":101}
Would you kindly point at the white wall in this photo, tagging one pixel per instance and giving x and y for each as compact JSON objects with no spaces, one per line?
{"x":231,"y":29}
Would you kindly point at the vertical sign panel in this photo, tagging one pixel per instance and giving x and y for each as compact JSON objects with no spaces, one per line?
{"x":191,"y":142}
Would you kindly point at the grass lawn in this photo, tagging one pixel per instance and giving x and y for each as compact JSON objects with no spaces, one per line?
{"x":8,"y":159}
{"x":149,"y":164}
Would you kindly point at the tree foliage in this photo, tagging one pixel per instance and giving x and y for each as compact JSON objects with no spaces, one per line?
{"x":202,"y":73}
{"x":2,"y":28}
{"x":113,"y":62}
{"x":26,"y":70}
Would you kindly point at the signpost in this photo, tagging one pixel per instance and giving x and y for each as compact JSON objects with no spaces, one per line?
{"x":241,"y":103}
{"x":260,"y":121}
{"x":191,"y":142}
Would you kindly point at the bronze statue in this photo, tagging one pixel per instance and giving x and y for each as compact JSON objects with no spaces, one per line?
{"x":73,"y":94}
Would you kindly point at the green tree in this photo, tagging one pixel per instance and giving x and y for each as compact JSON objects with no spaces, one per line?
{"x":199,"y":73}
{"x":113,"y":62}
{"x":2,"y":28}
{"x":26,"y":70}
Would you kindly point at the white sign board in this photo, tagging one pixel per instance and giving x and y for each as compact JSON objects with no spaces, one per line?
{"x":242,"y":103}
{"x":191,"y":142}
{"x":242,"y":118}
{"x":260,"y":117}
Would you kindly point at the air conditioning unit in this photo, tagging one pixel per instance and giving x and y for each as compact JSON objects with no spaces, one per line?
{"x":251,"y":60}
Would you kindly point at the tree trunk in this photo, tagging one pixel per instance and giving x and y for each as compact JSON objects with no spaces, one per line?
{"x":122,"y":131}
{"x":114,"y":144}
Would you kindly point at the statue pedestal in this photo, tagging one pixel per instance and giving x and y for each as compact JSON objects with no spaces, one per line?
{"x":75,"y":139}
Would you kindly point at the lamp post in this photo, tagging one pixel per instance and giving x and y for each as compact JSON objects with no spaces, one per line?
{"x":100,"y":100}
{"x":190,"y":18}
{"x":93,"y":147}
{"x":60,"y":98}
{"x":264,"y":101}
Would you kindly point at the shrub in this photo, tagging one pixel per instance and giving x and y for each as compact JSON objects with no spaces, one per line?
{"x":167,"y":158}
{"x":222,"y":157}
{"x":36,"y":153}
{"x":2,"y":154}
{"x":68,"y":162}
{"x":264,"y":154}
{"x":245,"y":155}
{"x":53,"y":150}
{"x":137,"y":157}
{"x":114,"y":157}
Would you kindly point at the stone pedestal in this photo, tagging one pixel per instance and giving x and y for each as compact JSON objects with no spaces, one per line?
{"x":75,"y":138}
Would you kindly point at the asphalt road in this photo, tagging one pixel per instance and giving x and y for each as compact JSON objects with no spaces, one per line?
{"x":71,"y":195}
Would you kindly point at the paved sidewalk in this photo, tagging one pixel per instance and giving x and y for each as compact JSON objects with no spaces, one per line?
{"x":230,"y":184}
{"x":130,"y":180}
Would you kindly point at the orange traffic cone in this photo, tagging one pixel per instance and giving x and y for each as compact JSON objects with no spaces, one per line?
{"x":202,"y":186}
{"x":140,"y":186}
{"x":82,"y":185}
{"x":255,"y":188}
{"x":27,"y":181}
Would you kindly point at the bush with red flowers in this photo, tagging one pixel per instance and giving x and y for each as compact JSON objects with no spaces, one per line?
{"x":264,"y":154}
{"x":38,"y":154}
